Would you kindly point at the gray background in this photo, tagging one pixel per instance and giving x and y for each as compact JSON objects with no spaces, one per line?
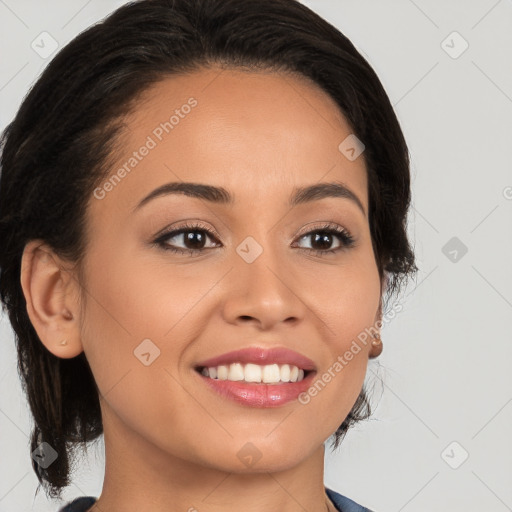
{"x":444,"y":376}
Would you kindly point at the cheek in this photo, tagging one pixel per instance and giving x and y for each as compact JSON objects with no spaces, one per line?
{"x":136,"y":297}
{"x":133,"y":340}
{"x":135,"y":307}
{"x":347,"y":298}
{"x":350,"y":301}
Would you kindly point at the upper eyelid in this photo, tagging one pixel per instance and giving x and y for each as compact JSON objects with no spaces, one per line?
{"x":188,"y":226}
{"x":321,"y":226}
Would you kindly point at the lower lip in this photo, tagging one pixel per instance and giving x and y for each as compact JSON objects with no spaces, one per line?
{"x":259,"y":394}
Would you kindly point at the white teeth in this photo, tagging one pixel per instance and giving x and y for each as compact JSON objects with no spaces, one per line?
{"x":236,"y":372}
{"x":252,"y":373}
{"x":285,"y":373}
{"x":268,"y":374}
{"x":271,"y":373}
{"x":222,"y":372}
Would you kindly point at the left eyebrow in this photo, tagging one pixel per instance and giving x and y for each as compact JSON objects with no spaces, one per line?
{"x":303,"y":195}
{"x":220,"y":195}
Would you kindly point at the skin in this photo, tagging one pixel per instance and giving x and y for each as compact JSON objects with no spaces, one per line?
{"x":168,"y":438}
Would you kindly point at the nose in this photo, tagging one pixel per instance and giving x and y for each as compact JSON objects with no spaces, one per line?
{"x":263,"y":292}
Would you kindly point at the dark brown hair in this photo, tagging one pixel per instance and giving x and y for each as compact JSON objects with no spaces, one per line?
{"x":58,"y":149}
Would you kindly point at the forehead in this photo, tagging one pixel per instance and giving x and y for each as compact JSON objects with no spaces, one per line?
{"x":258,"y":134}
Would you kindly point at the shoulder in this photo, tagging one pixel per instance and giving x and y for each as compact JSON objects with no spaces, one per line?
{"x":344,"y":504}
{"x":81,"y":504}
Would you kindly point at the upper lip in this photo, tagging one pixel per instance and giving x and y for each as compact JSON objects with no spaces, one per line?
{"x":261,"y":356}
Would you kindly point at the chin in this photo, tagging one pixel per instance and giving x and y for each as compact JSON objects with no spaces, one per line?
{"x":261,"y":455}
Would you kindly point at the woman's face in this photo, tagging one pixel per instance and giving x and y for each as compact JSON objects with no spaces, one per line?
{"x":151,"y":315}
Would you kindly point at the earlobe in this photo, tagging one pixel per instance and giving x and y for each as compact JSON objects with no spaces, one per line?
{"x":376,"y":348}
{"x":51,"y":302}
{"x":376,"y":345}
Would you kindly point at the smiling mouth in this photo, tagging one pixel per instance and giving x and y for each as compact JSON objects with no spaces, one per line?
{"x":254,"y":373}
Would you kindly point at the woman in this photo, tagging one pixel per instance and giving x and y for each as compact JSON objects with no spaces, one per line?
{"x":204,"y":209}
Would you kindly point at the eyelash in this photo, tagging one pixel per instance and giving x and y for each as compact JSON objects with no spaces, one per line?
{"x":346,"y":239}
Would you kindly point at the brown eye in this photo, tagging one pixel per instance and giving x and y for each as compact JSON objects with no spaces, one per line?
{"x":192,"y":238}
{"x":323,"y":238}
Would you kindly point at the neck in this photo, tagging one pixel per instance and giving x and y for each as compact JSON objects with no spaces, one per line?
{"x":142,"y":476}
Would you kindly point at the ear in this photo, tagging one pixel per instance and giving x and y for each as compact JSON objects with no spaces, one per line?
{"x":52,"y":295}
